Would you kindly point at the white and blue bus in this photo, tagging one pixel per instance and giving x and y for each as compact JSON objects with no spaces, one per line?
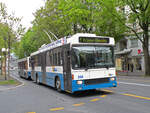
{"x":24,"y":69}
{"x":80,"y":62}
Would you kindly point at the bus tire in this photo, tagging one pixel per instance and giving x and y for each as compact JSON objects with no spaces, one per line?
{"x":58,"y":84}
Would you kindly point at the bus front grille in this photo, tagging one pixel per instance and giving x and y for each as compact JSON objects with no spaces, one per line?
{"x":96,"y":81}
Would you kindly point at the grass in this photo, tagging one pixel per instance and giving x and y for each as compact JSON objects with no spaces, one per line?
{"x":8,"y":82}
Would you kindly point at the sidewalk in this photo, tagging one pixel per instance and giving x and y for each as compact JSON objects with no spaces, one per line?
{"x":8,"y":85}
{"x":137,"y":74}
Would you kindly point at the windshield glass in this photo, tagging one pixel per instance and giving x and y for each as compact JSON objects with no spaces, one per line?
{"x":92,"y":57}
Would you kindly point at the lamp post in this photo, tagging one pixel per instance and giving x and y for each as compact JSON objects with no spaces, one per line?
{"x":4,"y":52}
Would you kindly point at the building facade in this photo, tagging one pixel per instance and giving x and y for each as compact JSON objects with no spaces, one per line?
{"x":129,"y":55}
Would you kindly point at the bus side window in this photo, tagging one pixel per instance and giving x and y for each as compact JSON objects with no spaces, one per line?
{"x":56,"y":59}
{"x":47,"y":59}
{"x":59,"y":62}
{"x":53,"y":59}
{"x":50,"y":58}
{"x":39,"y":60}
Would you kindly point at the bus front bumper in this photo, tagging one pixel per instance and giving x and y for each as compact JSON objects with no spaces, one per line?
{"x":87,"y":86}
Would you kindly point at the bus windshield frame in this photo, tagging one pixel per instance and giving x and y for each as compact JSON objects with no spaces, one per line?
{"x":92,"y":56}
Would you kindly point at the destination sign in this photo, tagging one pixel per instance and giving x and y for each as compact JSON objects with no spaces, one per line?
{"x":93,"y":40}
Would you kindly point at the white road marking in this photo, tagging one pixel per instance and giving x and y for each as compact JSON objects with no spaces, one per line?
{"x":137,"y":84}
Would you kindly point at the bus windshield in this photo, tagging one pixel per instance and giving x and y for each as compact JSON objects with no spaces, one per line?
{"x":92,"y":57}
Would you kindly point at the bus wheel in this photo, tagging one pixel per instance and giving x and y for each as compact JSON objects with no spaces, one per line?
{"x":58,"y":84}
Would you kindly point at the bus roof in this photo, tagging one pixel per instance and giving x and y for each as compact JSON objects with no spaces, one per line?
{"x":23,"y":59}
{"x":79,"y":38}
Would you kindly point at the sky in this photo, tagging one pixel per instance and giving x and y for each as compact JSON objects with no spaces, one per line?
{"x":24,"y":9}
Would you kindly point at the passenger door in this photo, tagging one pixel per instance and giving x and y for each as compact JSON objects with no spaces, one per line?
{"x":67,"y":68}
{"x":32,"y":61}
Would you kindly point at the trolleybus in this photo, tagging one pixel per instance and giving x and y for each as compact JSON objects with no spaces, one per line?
{"x":80,"y":62}
{"x":24,"y":69}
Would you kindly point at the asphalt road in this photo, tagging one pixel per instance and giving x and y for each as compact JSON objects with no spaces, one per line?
{"x":131,"y":96}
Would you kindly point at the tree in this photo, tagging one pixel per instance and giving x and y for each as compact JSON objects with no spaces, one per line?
{"x":67,"y":17}
{"x":141,"y":15}
{"x":138,"y":14}
{"x":12,"y":28}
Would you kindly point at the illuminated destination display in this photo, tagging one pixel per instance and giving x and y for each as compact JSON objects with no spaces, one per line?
{"x":93,"y":40}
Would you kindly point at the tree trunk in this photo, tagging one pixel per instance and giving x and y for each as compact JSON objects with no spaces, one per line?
{"x":1,"y":61}
{"x":147,"y":61}
{"x":5,"y":56}
{"x":75,"y":28}
{"x":9,"y":54}
{"x":146,"y":52}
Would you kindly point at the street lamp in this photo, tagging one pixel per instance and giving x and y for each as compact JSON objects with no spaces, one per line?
{"x":4,"y":50}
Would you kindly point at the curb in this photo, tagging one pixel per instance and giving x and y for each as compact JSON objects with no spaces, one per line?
{"x":22,"y":84}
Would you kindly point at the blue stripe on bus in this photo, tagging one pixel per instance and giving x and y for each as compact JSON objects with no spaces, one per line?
{"x":50,"y":81}
{"x":50,"y":78}
{"x":77,"y":87}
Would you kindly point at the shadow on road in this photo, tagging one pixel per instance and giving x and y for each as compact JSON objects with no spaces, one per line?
{"x":80,"y":94}
{"x":88,"y":93}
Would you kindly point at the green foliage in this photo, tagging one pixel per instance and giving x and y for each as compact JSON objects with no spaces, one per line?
{"x":67,"y":17}
{"x":30,"y":42}
{"x":10,"y":28}
{"x":138,"y":23}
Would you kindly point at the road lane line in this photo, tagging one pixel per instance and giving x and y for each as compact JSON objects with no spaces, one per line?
{"x":79,"y":104}
{"x":137,"y":84}
{"x":135,"y":80}
{"x":56,"y":109}
{"x":93,"y":100}
{"x":141,"y":97}
{"x":31,"y":112}
{"x":106,"y":90}
{"x":103,"y":96}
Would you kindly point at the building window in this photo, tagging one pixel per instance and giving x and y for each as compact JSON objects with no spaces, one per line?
{"x":134,"y":43}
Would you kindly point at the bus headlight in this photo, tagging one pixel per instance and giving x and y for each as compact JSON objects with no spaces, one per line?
{"x":112,"y":79}
{"x":79,"y":82}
